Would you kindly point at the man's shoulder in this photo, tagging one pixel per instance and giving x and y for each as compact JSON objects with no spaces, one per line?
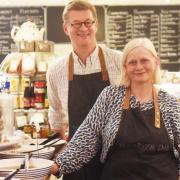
{"x":58,"y":63}
{"x":109,"y":51}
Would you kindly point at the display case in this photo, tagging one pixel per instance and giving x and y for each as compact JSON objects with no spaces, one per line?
{"x":26,"y":72}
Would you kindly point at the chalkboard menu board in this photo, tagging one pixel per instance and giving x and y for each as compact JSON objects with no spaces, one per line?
{"x":117,"y":25}
{"x":159,"y":23}
{"x":170,"y":33}
{"x":16,"y":16}
{"x":54,"y":23}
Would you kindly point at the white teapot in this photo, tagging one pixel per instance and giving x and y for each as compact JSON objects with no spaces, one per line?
{"x":27,"y":32}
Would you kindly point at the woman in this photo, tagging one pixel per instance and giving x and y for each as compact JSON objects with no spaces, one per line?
{"x":136,"y":124}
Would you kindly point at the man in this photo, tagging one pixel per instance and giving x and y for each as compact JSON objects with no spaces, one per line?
{"x":75,"y":81}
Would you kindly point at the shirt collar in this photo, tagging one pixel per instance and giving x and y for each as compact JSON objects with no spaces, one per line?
{"x":92,"y":56}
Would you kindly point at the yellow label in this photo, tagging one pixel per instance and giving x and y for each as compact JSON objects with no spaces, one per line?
{"x":23,"y":81}
{"x":21,"y":101}
{"x":14,"y":84}
{"x":16,"y":101}
{"x":46,"y":103}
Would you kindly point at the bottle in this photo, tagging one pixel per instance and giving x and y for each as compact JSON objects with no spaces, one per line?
{"x":39,"y":101}
{"x":46,"y":102}
{"x":27,"y":96}
{"x":35,"y":131}
{"x":7,"y":86}
{"x":32,"y":100}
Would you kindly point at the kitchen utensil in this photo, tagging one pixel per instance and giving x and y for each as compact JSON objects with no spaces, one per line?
{"x":54,"y":136}
{"x":44,"y":146}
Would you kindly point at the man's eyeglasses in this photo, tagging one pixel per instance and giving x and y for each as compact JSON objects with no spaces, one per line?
{"x":78,"y":25}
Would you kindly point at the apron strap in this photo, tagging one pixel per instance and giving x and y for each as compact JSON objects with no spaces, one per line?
{"x":157,"y":122}
{"x":126,"y":99}
{"x":70,"y":68}
{"x":157,"y":112}
{"x":104,"y":71}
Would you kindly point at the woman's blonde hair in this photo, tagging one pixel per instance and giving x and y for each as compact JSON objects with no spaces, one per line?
{"x":137,"y":42}
{"x":78,"y":5}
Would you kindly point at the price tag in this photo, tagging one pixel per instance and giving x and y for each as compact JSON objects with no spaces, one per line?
{"x":21,"y":121}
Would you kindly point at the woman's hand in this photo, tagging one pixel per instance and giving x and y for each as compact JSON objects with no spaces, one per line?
{"x":178,"y":177}
{"x":62,"y":131}
{"x":54,"y":169}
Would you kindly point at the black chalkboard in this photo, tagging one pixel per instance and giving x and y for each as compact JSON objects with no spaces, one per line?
{"x":159,"y":23}
{"x":16,"y":16}
{"x":117,"y":25}
{"x":54,"y":23}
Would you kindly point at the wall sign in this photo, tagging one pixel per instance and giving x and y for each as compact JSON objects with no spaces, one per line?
{"x":117,"y":25}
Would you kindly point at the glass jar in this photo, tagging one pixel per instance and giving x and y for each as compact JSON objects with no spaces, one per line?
{"x":44,"y":131}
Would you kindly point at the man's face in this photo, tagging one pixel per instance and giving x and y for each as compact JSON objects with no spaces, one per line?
{"x":81,"y":28}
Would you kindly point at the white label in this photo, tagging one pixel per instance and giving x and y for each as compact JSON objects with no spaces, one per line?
{"x":21,"y":121}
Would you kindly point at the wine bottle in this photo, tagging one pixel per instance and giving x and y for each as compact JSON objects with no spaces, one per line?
{"x":46,"y":102}
{"x":32,"y":99}
{"x":27,"y":96}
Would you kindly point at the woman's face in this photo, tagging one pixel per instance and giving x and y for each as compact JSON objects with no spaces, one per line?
{"x":140,"y":65}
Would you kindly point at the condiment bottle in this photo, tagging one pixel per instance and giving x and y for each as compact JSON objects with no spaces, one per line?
{"x":46,"y":102}
{"x":27,"y":96}
{"x":32,"y":98}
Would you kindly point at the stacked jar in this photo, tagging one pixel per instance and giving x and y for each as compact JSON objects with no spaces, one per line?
{"x":39,"y":91}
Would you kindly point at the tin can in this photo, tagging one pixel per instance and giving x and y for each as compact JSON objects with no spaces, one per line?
{"x":40,"y":87}
{"x":39,"y":101}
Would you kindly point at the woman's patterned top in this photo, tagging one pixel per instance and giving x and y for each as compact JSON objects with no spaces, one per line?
{"x":101,"y":125}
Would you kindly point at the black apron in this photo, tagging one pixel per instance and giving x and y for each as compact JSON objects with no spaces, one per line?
{"x":141,"y":151}
{"x":83,"y":92}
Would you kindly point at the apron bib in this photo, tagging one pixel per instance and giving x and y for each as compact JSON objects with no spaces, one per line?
{"x":142,"y":149}
{"x":83,"y":92}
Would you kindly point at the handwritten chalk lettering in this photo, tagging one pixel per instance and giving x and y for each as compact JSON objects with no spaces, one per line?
{"x":5,"y":12}
{"x":15,"y":16}
{"x":29,"y":11}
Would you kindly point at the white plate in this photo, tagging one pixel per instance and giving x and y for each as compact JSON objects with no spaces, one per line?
{"x":8,"y":164}
{"x":19,"y":152}
{"x":39,"y":168}
{"x":7,"y":145}
{"x":27,"y":148}
{"x":11,"y":142}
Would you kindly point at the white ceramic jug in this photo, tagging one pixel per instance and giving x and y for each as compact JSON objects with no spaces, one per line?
{"x":28,"y":31}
